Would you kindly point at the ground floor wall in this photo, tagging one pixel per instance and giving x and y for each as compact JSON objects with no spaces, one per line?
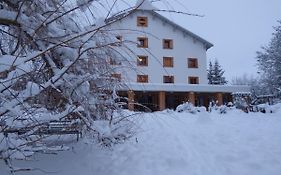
{"x":158,"y":101}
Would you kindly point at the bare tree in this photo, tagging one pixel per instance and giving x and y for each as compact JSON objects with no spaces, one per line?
{"x":55,"y":73}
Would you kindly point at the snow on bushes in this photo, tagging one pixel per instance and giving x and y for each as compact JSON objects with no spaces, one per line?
{"x":12,"y":147}
{"x":266,"y":108}
{"x":189,"y":107}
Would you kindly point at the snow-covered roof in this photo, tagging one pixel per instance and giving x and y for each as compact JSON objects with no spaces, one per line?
{"x":185,"y":87}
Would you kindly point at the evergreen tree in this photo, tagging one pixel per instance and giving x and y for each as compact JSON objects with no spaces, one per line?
{"x":215,"y":74}
{"x":210,"y":73}
{"x":269,"y":61}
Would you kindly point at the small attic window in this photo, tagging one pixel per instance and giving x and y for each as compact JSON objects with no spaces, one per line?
{"x":142,"y":21}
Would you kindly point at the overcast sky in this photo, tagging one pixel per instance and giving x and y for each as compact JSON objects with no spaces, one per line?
{"x":237,"y":28}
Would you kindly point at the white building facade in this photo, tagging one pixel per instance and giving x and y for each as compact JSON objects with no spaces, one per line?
{"x":165,"y":65}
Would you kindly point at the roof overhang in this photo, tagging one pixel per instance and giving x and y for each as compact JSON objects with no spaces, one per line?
{"x":206,"y":88}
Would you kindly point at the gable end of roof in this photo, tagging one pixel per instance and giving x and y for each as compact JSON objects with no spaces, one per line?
{"x":206,"y":43}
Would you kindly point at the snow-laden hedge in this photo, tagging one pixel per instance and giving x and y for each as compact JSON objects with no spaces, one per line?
{"x":265,"y":108}
{"x":189,"y":107}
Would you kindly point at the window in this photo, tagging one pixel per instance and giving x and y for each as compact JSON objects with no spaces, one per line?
{"x":192,"y":62}
{"x":142,"y":21}
{"x":116,"y":76}
{"x":142,"y":60}
{"x":143,"y":42}
{"x":193,"y":80}
{"x":167,"y":44}
{"x":168,"y":61}
{"x":168,"y":79}
{"x":142,"y":78}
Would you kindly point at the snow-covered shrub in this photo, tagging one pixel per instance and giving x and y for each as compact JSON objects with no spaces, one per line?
{"x":276,"y":108}
{"x":189,"y":107}
{"x":186,"y":107}
{"x":13,"y":147}
{"x":242,"y":101}
{"x":119,"y":129}
{"x":169,"y":111}
{"x":223,"y":109}
{"x":201,"y":109}
{"x":230,"y":104}
{"x":266,"y":108}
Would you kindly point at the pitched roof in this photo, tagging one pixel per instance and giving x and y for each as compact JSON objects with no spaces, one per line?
{"x":121,"y":15}
{"x":207,"y":43}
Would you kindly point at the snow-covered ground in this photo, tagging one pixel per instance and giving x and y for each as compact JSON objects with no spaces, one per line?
{"x":170,"y":143}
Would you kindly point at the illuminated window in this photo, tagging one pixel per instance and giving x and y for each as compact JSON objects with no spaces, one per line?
{"x":193,"y":80}
{"x":143,"y":42}
{"x":168,"y":61}
{"x":142,"y":61}
{"x":167,"y":44}
{"x":168,"y":79}
{"x":142,"y":21}
{"x":192,"y":63}
{"x":142,"y":78}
